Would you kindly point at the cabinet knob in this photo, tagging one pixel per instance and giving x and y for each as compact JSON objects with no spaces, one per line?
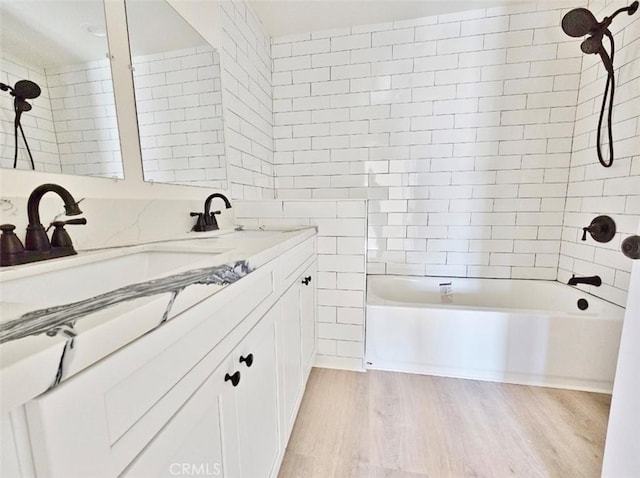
{"x":235,"y":378}
{"x":306,"y":280}
{"x":248,"y":360}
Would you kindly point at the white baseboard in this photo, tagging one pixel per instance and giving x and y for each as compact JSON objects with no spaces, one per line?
{"x":339,"y":363}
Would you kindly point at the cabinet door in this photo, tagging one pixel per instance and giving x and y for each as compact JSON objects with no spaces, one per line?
{"x":290,"y":356}
{"x":308,"y":317}
{"x":256,"y":400}
{"x":200,"y":440}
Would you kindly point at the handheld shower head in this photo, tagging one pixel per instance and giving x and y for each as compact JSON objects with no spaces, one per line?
{"x":593,"y":45}
{"x":578,"y":22}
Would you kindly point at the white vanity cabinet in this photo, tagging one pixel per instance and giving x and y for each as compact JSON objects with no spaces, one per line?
{"x":227,"y":427}
{"x":212,"y":392}
{"x":296,"y":344}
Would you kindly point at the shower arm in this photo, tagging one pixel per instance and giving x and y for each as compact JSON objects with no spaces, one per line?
{"x":631,"y":9}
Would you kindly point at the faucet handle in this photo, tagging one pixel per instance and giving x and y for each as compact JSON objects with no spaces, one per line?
{"x":200,"y":223}
{"x":57,"y":224}
{"x":10,"y":243}
{"x":60,"y":237}
{"x":213,"y":221}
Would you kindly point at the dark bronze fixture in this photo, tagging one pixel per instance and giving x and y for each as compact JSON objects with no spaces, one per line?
{"x":580,"y":22}
{"x":631,"y":247}
{"x":22,"y":91}
{"x":235,"y":378}
{"x":248,"y":360}
{"x":37,"y":246}
{"x":591,"y":280}
{"x":207,"y":221}
{"x":583,"y":304}
{"x":602,"y":229}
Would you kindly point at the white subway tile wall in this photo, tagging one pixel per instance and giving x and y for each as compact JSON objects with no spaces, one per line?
{"x":245,"y":56}
{"x":179,"y":104}
{"x":594,"y":190}
{"x":341,"y":268}
{"x":37,"y":124}
{"x":457,"y":128}
{"x":84,"y":115}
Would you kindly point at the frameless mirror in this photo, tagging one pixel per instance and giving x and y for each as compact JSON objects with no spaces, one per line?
{"x":57,"y":109}
{"x":176,"y":74}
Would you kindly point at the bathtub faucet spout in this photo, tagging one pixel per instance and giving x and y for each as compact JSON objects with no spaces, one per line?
{"x":592,"y":280}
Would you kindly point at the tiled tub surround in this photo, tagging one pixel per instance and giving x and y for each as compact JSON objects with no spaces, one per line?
{"x":341,"y":268}
{"x":101,"y":333}
{"x":457,"y":128}
{"x":179,"y":104}
{"x":594,"y":190}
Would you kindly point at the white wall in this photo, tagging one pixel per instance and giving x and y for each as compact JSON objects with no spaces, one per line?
{"x":593,"y":189}
{"x":622,"y":448}
{"x":458,"y":128}
{"x":246,"y":82}
{"x":37,"y":123}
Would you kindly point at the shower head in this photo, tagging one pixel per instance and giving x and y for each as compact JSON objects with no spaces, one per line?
{"x":578,"y":22}
{"x":23,"y":89}
{"x":26,"y":89}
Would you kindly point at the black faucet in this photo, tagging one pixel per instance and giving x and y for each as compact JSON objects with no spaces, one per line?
{"x":207,"y":221}
{"x":37,"y":245}
{"x":592,"y":280}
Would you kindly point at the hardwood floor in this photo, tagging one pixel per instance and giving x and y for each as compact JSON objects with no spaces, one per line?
{"x":396,"y":425}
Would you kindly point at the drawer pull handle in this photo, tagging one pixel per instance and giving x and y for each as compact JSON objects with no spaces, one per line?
{"x":248,"y":360}
{"x":235,"y":378}
{"x":306,"y":280}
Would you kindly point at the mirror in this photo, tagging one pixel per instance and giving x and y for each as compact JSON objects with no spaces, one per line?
{"x":176,"y":74}
{"x":67,"y":123}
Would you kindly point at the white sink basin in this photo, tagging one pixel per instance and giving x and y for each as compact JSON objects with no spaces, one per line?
{"x":83,"y":280}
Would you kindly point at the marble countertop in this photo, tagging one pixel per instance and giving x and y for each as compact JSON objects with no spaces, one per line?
{"x":28,"y":366}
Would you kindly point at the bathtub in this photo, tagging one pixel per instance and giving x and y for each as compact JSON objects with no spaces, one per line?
{"x":517,"y":331}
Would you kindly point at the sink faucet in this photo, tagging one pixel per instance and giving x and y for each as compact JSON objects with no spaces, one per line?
{"x":592,"y":280}
{"x":37,"y":245}
{"x":207,"y":221}
{"x":37,"y":239}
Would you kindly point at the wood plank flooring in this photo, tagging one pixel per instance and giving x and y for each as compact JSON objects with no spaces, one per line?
{"x":396,"y":425}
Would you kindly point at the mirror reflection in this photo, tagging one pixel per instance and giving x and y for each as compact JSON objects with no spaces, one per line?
{"x":178,"y":97}
{"x":57,"y":109}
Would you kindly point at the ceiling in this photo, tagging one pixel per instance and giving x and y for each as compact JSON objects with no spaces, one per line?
{"x":285,"y":17}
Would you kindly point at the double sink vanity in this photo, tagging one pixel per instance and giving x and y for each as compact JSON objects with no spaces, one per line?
{"x":205,"y":378}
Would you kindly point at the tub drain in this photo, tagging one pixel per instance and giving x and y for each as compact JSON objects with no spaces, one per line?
{"x":583,"y":304}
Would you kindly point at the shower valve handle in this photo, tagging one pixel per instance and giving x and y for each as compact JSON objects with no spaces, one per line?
{"x":602,"y":229}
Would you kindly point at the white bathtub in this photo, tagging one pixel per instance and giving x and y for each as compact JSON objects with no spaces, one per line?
{"x":517,"y":331}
